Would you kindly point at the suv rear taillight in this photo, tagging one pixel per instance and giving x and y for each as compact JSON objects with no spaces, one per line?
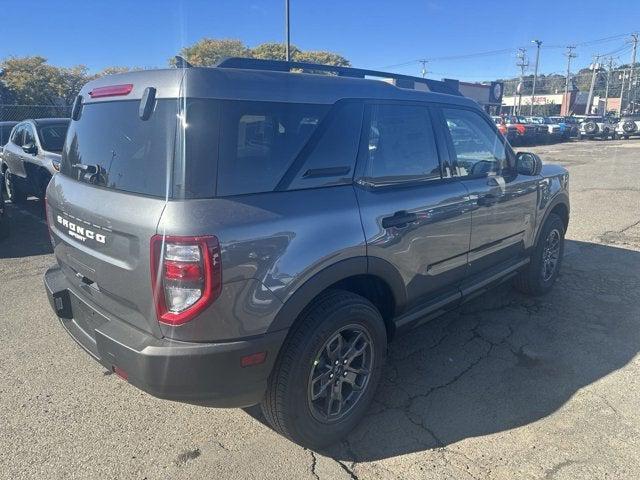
{"x":186,"y":276}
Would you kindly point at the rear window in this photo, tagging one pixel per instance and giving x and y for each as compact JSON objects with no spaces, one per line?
{"x":110,"y":146}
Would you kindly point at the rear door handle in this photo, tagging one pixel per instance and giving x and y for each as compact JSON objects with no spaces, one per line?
{"x":399,"y":219}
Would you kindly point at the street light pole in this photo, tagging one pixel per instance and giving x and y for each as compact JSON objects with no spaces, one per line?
{"x":535,"y":74}
{"x":287,"y":31}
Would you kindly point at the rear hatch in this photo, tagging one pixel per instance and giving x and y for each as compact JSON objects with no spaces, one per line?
{"x":105,"y":205}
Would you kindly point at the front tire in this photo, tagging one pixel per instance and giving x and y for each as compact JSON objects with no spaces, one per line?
{"x":327,"y":371}
{"x":542,"y":272}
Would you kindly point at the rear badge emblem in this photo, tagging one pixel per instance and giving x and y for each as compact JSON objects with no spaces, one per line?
{"x":81,"y":233}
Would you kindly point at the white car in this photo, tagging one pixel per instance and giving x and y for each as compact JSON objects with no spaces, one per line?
{"x":596,"y":127}
{"x":628,"y":126}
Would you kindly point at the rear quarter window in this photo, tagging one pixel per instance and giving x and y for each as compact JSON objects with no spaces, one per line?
{"x":259,"y":141}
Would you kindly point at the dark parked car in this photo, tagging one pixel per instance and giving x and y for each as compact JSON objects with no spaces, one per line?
{"x":261,"y":240}
{"x":32,"y":156}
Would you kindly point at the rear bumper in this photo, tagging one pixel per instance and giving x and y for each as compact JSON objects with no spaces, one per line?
{"x":200,"y":373}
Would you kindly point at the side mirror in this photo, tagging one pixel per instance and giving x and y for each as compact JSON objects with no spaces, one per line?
{"x":30,"y":148}
{"x":528,"y":163}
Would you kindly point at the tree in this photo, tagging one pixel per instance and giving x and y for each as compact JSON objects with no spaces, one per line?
{"x":113,"y":70}
{"x":322,"y":57}
{"x":32,"y":81}
{"x":209,"y":51}
{"x":273,"y":51}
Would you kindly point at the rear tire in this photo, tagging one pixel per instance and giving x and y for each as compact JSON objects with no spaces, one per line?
{"x":15,"y":192}
{"x":299,"y":401}
{"x":542,"y":272}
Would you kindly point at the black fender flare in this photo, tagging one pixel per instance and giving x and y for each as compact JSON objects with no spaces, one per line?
{"x":559,"y":198}
{"x":332,"y":274}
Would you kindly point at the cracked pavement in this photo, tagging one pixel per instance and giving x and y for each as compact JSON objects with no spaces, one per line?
{"x":504,"y":387}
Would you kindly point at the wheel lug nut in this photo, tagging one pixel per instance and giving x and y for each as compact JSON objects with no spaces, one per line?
{"x":337,"y":362}
{"x":344,"y":362}
{"x":331,"y":375}
{"x":344,"y":374}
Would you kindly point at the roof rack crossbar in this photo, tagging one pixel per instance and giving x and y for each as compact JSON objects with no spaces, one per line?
{"x":284,"y":66}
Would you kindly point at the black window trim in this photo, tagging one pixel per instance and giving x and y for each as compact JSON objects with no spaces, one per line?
{"x":307,"y":149}
{"x":450,"y":149}
{"x":361,"y":162}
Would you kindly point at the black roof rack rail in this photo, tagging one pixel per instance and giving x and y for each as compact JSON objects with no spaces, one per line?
{"x":403,"y":81}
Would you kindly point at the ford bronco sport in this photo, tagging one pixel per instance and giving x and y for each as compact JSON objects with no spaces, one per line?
{"x":245,"y":234}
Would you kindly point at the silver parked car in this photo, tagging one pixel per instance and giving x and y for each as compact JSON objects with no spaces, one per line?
{"x":32,"y":156}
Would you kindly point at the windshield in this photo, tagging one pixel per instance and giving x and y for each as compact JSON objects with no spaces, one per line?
{"x":110,"y":146}
{"x":52,"y":136}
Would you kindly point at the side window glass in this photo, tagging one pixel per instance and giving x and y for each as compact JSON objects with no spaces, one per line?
{"x":29,"y":137}
{"x":400,"y":145}
{"x":477,"y":147}
{"x":260,"y":141}
{"x":331,"y":160}
{"x":18,"y":134}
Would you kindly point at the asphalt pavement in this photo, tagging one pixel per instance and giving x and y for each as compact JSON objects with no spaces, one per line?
{"x":506,"y":387}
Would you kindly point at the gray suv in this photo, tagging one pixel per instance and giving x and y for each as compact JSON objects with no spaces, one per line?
{"x":245,"y":235}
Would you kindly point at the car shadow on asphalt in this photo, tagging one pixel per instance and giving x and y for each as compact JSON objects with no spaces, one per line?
{"x":28,"y":231}
{"x":503,"y":360}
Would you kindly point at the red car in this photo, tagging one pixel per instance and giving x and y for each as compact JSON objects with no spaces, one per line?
{"x":526,"y":132}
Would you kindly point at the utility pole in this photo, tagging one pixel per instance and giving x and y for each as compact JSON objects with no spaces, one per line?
{"x":606,"y":89}
{"x":632,"y":82}
{"x":570,"y":55}
{"x":287,"y":31}
{"x":523,"y":64}
{"x":424,"y":68}
{"x":535,"y":74}
{"x":623,"y":76}
{"x":594,"y":67}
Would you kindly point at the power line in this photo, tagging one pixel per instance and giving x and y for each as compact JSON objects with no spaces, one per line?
{"x":498,"y":52}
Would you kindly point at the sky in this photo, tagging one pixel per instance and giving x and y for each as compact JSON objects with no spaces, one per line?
{"x":371,"y":33}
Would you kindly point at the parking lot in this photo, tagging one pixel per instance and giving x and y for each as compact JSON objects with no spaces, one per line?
{"x":506,"y":387}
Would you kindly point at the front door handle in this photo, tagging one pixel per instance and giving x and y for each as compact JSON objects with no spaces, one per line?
{"x":399,"y":219}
